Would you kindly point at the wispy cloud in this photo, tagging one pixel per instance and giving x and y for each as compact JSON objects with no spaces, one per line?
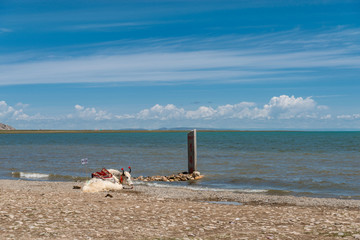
{"x":5,"y":30}
{"x":239,"y":61}
{"x":111,"y":25}
{"x":184,"y":66}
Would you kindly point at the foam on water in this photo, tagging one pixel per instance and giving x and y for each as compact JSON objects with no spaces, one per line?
{"x":29,"y":175}
{"x":200,"y":188}
{"x":47,"y":177}
{"x":225,"y":203}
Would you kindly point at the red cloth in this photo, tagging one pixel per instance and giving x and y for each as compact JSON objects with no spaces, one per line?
{"x":103,"y":174}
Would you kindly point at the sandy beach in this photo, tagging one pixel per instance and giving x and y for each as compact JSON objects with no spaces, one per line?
{"x":55,"y":210}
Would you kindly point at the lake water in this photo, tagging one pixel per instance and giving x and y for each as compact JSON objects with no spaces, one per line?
{"x":319,"y":164}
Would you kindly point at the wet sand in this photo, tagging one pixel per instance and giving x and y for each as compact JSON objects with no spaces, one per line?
{"x":54,"y":210}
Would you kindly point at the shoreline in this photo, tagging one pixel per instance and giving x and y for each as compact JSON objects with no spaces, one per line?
{"x":177,"y":184}
{"x":45,"y":131}
{"x":167,"y":190}
{"x":54,"y":210}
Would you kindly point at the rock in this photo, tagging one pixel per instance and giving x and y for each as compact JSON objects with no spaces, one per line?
{"x":6,"y":127}
{"x":172,"y":178}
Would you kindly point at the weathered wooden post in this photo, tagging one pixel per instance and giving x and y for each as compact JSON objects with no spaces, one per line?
{"x":192,"y":154}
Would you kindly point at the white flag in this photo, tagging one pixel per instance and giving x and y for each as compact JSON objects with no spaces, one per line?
{"x":84,"y":161}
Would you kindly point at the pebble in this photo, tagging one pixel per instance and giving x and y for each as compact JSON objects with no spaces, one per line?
{"x":168,"y":213}
{"x":172,"y":178}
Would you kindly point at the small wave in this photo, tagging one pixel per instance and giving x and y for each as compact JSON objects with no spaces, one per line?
{"x":49,"y":177}
{"x":29,"y":175}
{"x":252,"y":190}
{"x":203,"y":188}
{"x":152,"y":184}
{"x":225,"y":203}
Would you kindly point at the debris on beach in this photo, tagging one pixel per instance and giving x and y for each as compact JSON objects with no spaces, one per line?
{"x":172,"y":178}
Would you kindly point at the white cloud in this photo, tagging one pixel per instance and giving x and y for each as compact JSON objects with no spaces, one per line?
{"x":112,"y":25}
{"x":167,"y":112}
{"x":5,"y":30}
{"x":90,"y":113}
{"x":124,"y":116}
{"x":245,"y":58}
{"x":171,"y":66}
{"x":202,"y":112}
{"x":349,"y":116}
{"x":327,"y":116}
{"x":282,"y":107}
{"x":294,"y":111}
{"x":6,"y":110}
{"x":285,"y":107}
{"x":16,"y":112}
{"x":22,"y":105}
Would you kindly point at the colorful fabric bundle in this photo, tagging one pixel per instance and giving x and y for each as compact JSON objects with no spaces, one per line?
{"x":103,"y":174}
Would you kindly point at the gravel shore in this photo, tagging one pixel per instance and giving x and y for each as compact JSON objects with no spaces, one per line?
{"x":55,"y":210}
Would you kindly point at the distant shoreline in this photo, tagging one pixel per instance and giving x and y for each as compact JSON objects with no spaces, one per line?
{"x":148,"y":131}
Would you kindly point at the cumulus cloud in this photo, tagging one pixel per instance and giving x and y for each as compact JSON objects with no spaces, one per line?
{"x":90,"y":113}
{"x":285,"y":107}
{"x":167,"y":112}
{"x":278,"y":110}
{"x":282,"y":107}
{"x":5,"y":110}
{"x":327,"y":116}
{"x":9,"y":112}
{"x":202,"y":112}
{"x":17,"y":113}
{"x":349,"y":116}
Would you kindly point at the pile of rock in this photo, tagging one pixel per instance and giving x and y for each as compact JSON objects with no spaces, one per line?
{"x":172,"y":178}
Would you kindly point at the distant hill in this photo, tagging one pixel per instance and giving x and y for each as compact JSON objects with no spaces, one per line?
{"x":6,"y":127}
{"x":187,"y":129}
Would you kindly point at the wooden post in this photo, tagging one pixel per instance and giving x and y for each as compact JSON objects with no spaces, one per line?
{"x":192,"y":154}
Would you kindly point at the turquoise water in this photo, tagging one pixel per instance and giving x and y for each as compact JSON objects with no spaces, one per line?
{"x":321,"y":164}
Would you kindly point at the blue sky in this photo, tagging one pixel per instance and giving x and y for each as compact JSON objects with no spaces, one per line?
{"x":151,"y":64}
